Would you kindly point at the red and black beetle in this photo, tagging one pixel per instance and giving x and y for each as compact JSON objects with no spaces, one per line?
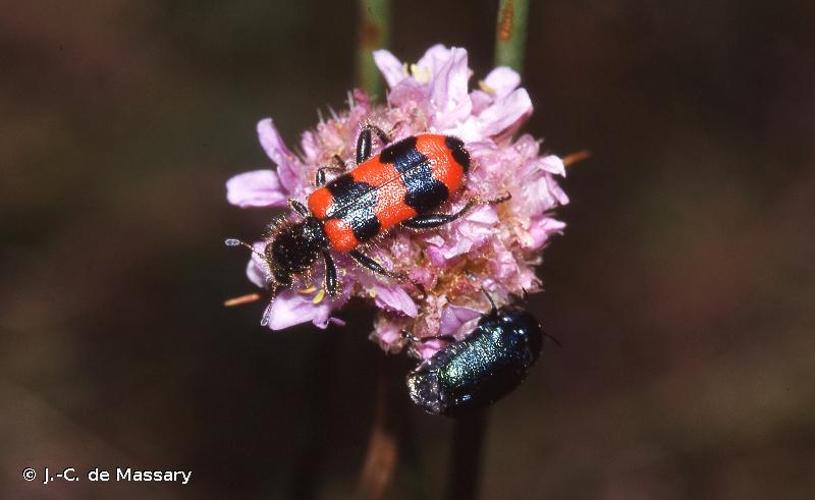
{"x":402,"y":185}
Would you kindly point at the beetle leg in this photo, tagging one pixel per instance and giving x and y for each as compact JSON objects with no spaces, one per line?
{"x":299,"y":207}
{"x":364,"y":141}
{"x":374,"y":266}
{"x":319,"y":179}
{"x":330,"y":274}
{"x":430,"y":221}
{"x":494,"y":309}
{"x":412,"y":338}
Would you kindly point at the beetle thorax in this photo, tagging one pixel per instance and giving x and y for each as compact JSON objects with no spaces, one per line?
{"x":296,"y":247}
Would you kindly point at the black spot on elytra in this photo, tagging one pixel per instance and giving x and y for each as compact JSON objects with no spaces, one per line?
{"x":424,"y":193}
{"x":363,"y":221}
{"x":355,"y":204}
{"x":346,"y":193}
{"x":403,"y":155}
{"x":460,"y":154}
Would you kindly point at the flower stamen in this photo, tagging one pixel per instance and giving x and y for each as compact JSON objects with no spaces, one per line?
{"x":243,"y":299}
{"x":319,"y":297}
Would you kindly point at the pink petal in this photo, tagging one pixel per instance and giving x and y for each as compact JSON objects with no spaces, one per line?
{"x":257,"y":269}
{"x":552,"y":164}
{"x":527,"y":146}
{"x":435,"y":240}
{"x":502,"y":80}
{"x":436,"y":255}
{"x":408,"y":93}
{"x":291,"y":308}
{"x":423,"y":275}
{"x":310,"y":146}
{"x":288,"y":167}
{"x":392,"y":70}
{"x":485,"y":214}
{"x":558,"y":193}
{"x":448,"y":93}
{"x":538,"y":196}
{"x":469,"y":233}
{"x":541,"y":228}
{"x":454,"y":317}
{"x":480,"y":100}
{"x":434,"y":57}
{"x":259,"y":188}
{"x":388,"y":333}
{"x":395,"y":298}
{"x":504,"y":113}
{"x":504,"y":267}
{"x":426,"y":350}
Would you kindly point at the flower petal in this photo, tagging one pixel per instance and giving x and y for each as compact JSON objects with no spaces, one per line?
{"x":258,"y":188}
{"x":502,"y":80}
{"x":288,"y":167}
{"x":541,"y":228}
{"x":388,"y":332}
{"x":504,"y":113}
{"x":395,"y":298}
{"x":470,"y":232}
{"x":290,"y":308}
{"x":448,"y":93}
{"x":426,"y":350}
{"x":257,"y":269}
{"x":454,"y":317}
{"x":391,"y":68}
{"x":434,"y":57}
{"x":552,"y":164}
{"x":485,"y":214}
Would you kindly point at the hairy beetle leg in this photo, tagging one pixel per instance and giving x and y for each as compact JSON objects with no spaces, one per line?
{"x":374,"y":266}
{"x":430,"y":221}
{"x":331,"y":283}
{"x":339,"y":167}
{"x":365,"y":141}
{"x":416,"y":340}
{"x":299,"y":207}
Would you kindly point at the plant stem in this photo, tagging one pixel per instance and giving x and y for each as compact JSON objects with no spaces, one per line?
{"x":374,"y":33}
{"x":465,"y":456}
{"x":386,"y":434}
{"x":510,"y":33}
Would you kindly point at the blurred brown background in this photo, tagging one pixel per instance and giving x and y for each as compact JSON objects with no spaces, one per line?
{"x":682,"y":290}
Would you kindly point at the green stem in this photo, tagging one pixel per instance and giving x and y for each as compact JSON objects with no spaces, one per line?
{"x":510,"y":33}
{"x":374,"y":33}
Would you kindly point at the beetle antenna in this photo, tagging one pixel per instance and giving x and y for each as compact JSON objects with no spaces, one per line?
{"x":553,"y":339}
{"x":416,"y":340}
{"x":489,"y":297}
{"x":233,"y":242}
{"x":409,"y":336}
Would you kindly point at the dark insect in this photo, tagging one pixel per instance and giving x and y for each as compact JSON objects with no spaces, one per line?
{"x":484,"y":367}
{"x":402,"y":185}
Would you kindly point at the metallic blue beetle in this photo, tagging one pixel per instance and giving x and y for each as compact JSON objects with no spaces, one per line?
{"x":477,"y":371}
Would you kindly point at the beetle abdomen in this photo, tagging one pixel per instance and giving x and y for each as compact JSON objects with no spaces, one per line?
{"x":411,"y":177}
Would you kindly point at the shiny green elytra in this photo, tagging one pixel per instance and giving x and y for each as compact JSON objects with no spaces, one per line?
{"x":477,"y":371}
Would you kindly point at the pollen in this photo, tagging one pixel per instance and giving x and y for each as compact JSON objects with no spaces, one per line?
{"x":420,"y":73}
{"x":319,"y":297}
{"x":485,"y":87}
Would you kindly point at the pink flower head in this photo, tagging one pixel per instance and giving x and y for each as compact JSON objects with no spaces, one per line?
{"x":494,"y":246}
